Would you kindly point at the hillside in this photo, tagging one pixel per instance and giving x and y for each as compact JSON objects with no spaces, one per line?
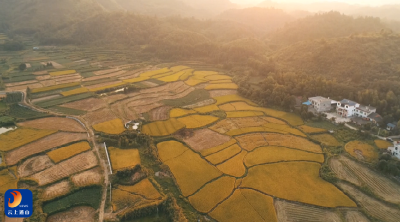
{"x":326,"y":25}
{"x":262,"y":19}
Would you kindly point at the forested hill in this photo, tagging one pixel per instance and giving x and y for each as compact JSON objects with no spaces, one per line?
{"x":326,"y":25}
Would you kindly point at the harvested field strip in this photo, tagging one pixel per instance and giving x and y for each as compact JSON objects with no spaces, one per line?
{"x":90,"y":104}
{"x":207,"y":109}
{"x":66,"y":168}
{"x":200,"y":104}
{"x":107,"y":87}
{"x":212,"y":194}
{"x":234,"y":166}
{"x":55,"y":102}
{"x":60,"y":73}
{"x":99,"y":116}
{"x":355,"y":216}
{"x":183,"y":168}
{"x":162,"y":128}
{"x":137,"y":79}
{"x":7,"y":181}
{"x":144,"y":188}
{"x":288,"y":211}
{"x":197,"y":121}
{"x":311,"y":130}
{"x":378,"y":184}
{"x":291,"y":142}
{"x":34,"y":165}
{"x":223,"y":155}
{"x":54,"y":140}
{"x":296,"y":181}
{"x":221,"y":86}
{"x":59,"y":189}
{"x":251,"y":141}
{"x":240,"y":114}
{"x":246,"y":205}
{"x":113,"y":127}
{"x":232,"y":98}
{"x":75,"y":91}
{"x":106,"y":76}
{"x":88,"y":178}
{"x":114,"y":98}
{"x":272,"y":154}
{"x":372,"y":206}
{"x":160,"y":113}
{"x":326,"y":140}
{"x":382,"y":144}
{"x":66,"y":152}
{"x":215,"y":149}
{"x":361,"y":151}
{"x":20,"y":137}
{"x":222,"y":92}
{"x":82,"y":213}
{"x":154,"y":72}
{"x":170,"y":149}
{"x":205,"y":139}
{"x":91,"y":199}
{"x":178,"y":112}
{"x":123,"y":158}
{"x":49,"y":88}
{"x":343,"y":172}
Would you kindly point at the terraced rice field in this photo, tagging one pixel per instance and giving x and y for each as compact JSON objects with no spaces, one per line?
{"x":54,"y":123}
{"x":382,"y":144}
{"x":163,"y":128}
{"x":7,"y":181}
{"x":349,"y":170}
{"x":56,"y":190}
{"x":66,"y":152}
{"x":123,"y":158}
{"x":144,"y":188}
{"x":197,"y":121}
{"x":204,"y":139}
{"x":312,"y":130}
{"x":362,"y":151}
{"x":114,"y":127}
{"x":326,"y":140}
{"x":160,"y":113}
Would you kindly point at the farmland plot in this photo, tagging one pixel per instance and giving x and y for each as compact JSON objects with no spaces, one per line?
{"x":123,"y":158}
{"x":251,"y":141}
{"x":59,"y":189}
{"x":66,"y":168}
{"x":382,"y":144}
{"x":41,"y":145}
{"x":160,"y":113}
{"x":162,"y":128}
{"x":362,"y":151}
{"x":55,"y":123}
{"x":291,"y":142}
{"x":99,"y":116}
{"x":296,"y":181}
{"x":86,"y":214}
{"x":326,"y":140}
{"x":178,"y":112}
{"x":234,"y":166}
{"x":121,"y":110}
{"x":197,"y":121}
{"x":34,"y":165}
{"x":170,"y":149}
{"x":114,"y":98}
{"x":113,"y":127}
{"x":375,"y":208}
{"x":7,"y":181}
{"x":144,"y":188}
{"x":209,"y":151}
{"x":355,"y":216}
{"x":205,"y":139}
{"x":288,"y":211}
{"x":222,"y":92}
{"x":223,"y":155}
{"x":20,"y":137}
{"x":349,"y":170}
{"x":66,"y":152}
{"x":312,"y":130}
{"x":88,"y":178}
{"x":200,"y":104}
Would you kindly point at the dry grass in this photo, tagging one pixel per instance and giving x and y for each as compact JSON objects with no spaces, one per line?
{"x":218,"y":148}
{"x":88,"y":178}
{"x":66,"y":168}
{"x":55,"y":140}
{"x":60,"y":73}
{"x":16,"y":138}
{"x":355,"y":216}
{"x":99,"y":116}
{"x":75,"y":92}
{"x":66,"y":152}
{"x":245,"y":206}
{"x":383,"y":144}
{"x":326,"y":140}
{"x":296,"y":181}
{"x":123,"y":158}
{"x":292,"y":142}
{"x":197,"y":121}
{"x":212,"y":194}
{"x":113,"y":127}
{"x":55,"y":123}
{"x":234,"y":166}
{"x":90,"y":104}
{"x":272,"y":154}
{"x":170,"y":149}
{"x":144,"y":188}
{"x":191,"y":171}
{"x":362,"y":151}
{"x":56,"y":190}
{"x":223,"y":155}
{"x":163,"y":128}
{"x":205,"y":139}
{"x":34,"y":165}
{"x":49,"y":88}
{"x":311,"y":130}
{"x":178,"y":112}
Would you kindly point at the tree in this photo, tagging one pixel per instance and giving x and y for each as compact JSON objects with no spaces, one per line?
{"x":22,"y":66}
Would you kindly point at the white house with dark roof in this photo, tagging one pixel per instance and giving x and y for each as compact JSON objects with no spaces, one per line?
{"x":346,"y":108}
{"x":320,"y":104}
{"x":364,"y":111}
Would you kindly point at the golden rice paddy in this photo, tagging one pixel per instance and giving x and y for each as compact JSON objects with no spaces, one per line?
{"x":223,"y":155}
{"x":163,"y":128}
{"x":326,"y":140}
{"x":215,"y":149}
{"x":362,"y":151}
{"x":234,"y":166}
{"x":66,"y":152}
{"x":75,"y":91}
{"x":50,"y":88}
{"x":221,"y":86}
{"x":197,"y":121}
{"x":311,"y":130}
{"x":123,"y":158}
{"x":60,"y":73}
{"x":383,"y":144}
{"x":20,"y":137}
{"x":114,"y":127}
{"x":170,"y":149}
{"x":178,"y":112}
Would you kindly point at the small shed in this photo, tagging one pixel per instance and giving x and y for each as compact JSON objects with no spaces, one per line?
{"x":391,"y":126}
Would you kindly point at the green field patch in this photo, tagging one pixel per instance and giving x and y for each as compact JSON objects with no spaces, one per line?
{"x":67,"y":110}
{"x":21,"y":112}
{"x":59,"y":101}
{"x":193,"y":97}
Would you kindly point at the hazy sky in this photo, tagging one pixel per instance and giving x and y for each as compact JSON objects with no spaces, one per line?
{"x":361,"y":2}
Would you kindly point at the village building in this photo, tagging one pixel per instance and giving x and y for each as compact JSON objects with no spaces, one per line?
{"x":395,"y":151}
{"x":346,"y":108}
{"x":320,"y":104}
{"x":391,"y":126}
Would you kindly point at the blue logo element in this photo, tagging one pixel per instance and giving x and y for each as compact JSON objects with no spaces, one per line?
{"x":18,"y":203}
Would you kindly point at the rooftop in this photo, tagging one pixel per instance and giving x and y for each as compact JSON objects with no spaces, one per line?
{"x":376,"y":117}
{"x":366,"y":108}
{"x":320,"y":98}
{"x":348,"y":102}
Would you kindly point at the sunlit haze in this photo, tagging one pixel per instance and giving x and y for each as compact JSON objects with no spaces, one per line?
{"x":361,"y":2}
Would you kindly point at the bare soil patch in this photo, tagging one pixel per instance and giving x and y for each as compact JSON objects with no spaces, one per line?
{"x":54,"y":123}
{"x":160,"y":113}
{"x":44,"y":77}
{"x":54,"y":140}
{"x":355,"y":216}
{"x":23,"y":87}
{"x":56,"y":190}
{"x":205,"y":139}
{"x":76,"y":214}
{"x":90,"y":104}
{"x":99,"y":116}
{"x":114,"y":98}
{"x":20,"y":83}
{"x":49,"y":82}
{"x":34,"y":165}
{"x":88,"y":178}
{"x":222,"y":92}
{"x":66,"y":168}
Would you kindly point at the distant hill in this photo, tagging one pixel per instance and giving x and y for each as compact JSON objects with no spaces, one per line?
{"x":212,"y":6}
{"x":263,"y":19}
{"x":326,"y":25}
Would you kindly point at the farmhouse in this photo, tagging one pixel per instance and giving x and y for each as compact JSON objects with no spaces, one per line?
{"x":346,"y":108}
{"x":391,"y":126}
{"x":320,"y":104}
{"x":395,"y":151}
